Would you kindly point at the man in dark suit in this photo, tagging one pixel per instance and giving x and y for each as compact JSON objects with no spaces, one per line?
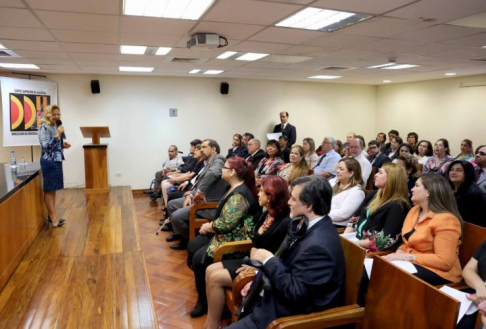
{"x":286,"y":128}
{"x":209,"y":186}
{"x":376,"y":158}
{"x":255,"y":153}
{"x":309,"y":277}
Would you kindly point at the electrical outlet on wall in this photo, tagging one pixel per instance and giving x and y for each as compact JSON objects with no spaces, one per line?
{"x":118,"y":175}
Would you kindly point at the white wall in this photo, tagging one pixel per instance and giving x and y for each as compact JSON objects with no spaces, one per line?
{"x":137,"y":111}
{"x":435,"y":109}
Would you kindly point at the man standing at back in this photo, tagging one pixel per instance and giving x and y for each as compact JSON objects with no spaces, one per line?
{"x":286,"y":128}
{"x":208,"y":187}
{"x":309,"y":276}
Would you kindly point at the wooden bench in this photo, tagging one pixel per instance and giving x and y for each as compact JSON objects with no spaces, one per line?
{"x":196,"y":223}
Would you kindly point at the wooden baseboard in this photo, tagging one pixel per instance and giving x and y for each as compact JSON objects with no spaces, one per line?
{"x":138,"y":191}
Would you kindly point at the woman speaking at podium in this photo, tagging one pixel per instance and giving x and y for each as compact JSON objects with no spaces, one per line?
{"x":51,"y":136}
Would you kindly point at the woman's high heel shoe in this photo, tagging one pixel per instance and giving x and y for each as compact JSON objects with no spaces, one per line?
{"x":59,"y":224}
{"x":62,"y":220}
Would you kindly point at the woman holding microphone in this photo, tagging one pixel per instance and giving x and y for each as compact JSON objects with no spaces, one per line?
{"x":51,"y":135}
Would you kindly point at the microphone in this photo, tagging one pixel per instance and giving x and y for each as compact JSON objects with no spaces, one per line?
{"x":59,"y":123}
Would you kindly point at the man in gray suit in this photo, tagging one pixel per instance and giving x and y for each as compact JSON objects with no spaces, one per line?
{"x":209,"y":186}
{"x":480,"y":160}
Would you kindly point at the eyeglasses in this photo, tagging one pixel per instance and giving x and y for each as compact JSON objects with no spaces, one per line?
{"x":481,"y":154}
{"x":227,"y":168}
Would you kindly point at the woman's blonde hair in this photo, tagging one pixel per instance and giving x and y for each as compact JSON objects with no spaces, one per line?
{"x":395,"y":189}
{"x":301,"y":169}
{"x":48,"y":113}
{"x":354,"y":166}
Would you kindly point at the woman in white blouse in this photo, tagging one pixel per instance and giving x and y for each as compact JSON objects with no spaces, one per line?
{"x":424,"y":151}
{"x":348,"y":191}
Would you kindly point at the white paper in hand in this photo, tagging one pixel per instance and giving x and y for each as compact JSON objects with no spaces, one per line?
{"x":467,"y":306}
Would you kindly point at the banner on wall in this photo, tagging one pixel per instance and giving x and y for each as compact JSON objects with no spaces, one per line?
{"x":23,"y":104}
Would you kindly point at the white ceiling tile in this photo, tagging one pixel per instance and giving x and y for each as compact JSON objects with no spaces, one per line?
{"x":440,"y":10}
{"x":152,"y":25}
{"x":478,"y":21}
{"x":86,"y":36}
{"x":438,"y":33}
{"x":384,"y":27}
{"x":25,"y":34}
{"x":59,"y":67}
{"x":309,"y":51}
{"x":224,"y":63}
{"x":18,"y":18}
{"x":90,"y":48}
{"x":266,"y":65}
{"x":285,"y":35}
{"x":249,"y":12}
{"x":359,"y":6}
{"x":194,"y":53}
{"x":260,"y":47}
{"x":431,"y":50}
{"x":285,"y":59}
{"x":477,"y":40}
{"x":72,"y":21}
{"x":31,"y":45}
{"x":387,"y":45}
{"x":339,"y":40}
{"x":102,"y":69}
{"x":141,"y":58}
{"x":106,"y":63}
{"x":93,"y":57}
{"x":86,"y":6}
{"x":228,"y":30}
{"x":42,"y":54}
{"x":11,"y":3}
{"x":465,"y":54}
{"x":296,"y":2}
{"x":158,"y":40}
{"x":52,"y":61}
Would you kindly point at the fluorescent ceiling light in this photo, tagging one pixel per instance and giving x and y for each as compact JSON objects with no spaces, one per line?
{"x":251,"y":57}
{"x":19,"y":66}
{"x":325,"y":77}
{"x":483,"y":47}
{"x":400,"y":67}
{"x":2,"y":46}
{"x":133,"y":50}
{"x":185,"y":9}
{"x":213,"y":72}
{"x":451,"y":74}
{"x":321,"y":19}
{"x":194,"y":71}
{"x":380,"y":66}
{"x":226,"y":55}
{"x":386,"y":81}
{"x":163,"y":51}
{"x":135,"y":69}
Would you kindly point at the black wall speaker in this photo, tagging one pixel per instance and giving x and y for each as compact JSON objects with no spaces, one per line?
{"x":95,"y":86}
{"x":224,"y":88}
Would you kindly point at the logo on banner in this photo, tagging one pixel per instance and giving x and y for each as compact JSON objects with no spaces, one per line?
{"x":26,"y":111}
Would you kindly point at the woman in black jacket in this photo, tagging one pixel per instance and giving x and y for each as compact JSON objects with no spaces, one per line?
{"x":379,"y":220}
{"x":471,"y":202}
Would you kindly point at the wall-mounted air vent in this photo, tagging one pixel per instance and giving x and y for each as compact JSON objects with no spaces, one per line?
{"x":185,"y":60}
{"x":481,"y":59}
{"x":7,"y":53}
{"x":336,"y":68}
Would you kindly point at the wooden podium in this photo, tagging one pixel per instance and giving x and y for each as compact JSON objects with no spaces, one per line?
{"x":96,"y":159}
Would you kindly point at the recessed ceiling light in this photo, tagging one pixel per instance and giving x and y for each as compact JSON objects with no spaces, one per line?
{"x":386,"y":81}
{"x":380,"y":66}
{"x":135,"y":69}
{"x":2,"y":46}
{"x":400,"y":67}
{"x":321,"y":19}
{"x":194,"y":71}
{"x":226,"y":55}
{"x":19,"y":66}
{"x":185,"y":9}
{"x":325,"y":77}
{"x":483,"y":47}
{"x":133,"y":50}
{"x":450,"y":74}
{"x":213,"y":72}
{"x":163,"y":51}
{"x":251,"y":57}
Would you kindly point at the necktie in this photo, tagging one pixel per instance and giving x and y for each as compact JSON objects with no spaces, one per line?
{"x":282,"y":128}
{"x":320,"y":160}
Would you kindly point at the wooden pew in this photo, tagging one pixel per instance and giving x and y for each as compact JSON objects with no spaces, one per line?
{"x":399,"y":300}
{"x":371,"y":180}
{"x":196,"y":223}
{"x":350,"y":312}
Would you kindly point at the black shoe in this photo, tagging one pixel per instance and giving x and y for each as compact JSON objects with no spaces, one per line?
{"x":148,"y":191}
{"x":173,"y":237}
{"x":154,"y":196}
{"x":180,"y":246}
{"x":48,"y":219}
{"x":199,"y":310}
{"x":166,"y":228}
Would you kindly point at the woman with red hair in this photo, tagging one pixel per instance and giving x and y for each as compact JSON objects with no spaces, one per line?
{"x":234,"y":222}
{"x":269,"y":233}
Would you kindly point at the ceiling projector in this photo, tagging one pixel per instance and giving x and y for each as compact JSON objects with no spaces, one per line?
{"x":206,"y":41}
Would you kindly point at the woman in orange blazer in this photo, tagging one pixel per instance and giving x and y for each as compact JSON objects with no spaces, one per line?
{"x":431,"y":232}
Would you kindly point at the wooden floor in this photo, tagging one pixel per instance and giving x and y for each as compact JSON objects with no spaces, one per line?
{"x":88,"y":274}
{"x":171,"y":281}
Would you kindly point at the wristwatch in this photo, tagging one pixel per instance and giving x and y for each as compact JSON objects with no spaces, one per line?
{"x":411,"y":257}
